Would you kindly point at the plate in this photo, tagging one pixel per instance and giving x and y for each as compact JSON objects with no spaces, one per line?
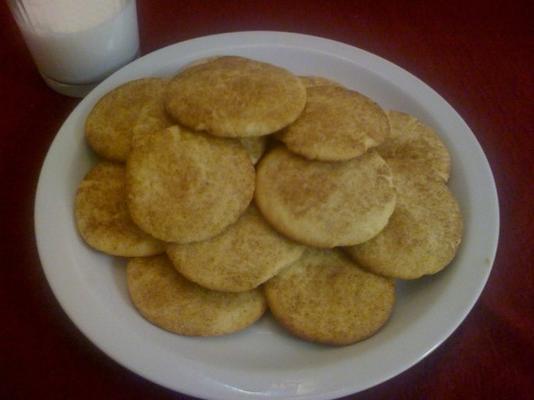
{"x":264,"y":361}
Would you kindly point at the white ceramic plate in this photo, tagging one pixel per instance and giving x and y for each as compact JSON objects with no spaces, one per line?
{"x":264,"y":361}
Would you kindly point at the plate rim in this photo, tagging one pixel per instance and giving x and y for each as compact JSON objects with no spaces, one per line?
{"x":335,"y":47}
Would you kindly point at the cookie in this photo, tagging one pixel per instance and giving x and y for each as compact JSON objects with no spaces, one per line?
{"x":241,"y":258}
{"x":102,"y":216}
{"x":185,"y":187}
{"x":235,"y":97}
{"x":324,"y":297}
{"x":423,"y":234}
{"x":337,"y":124}
{"x":325,"y":204}
{"x":310,"y":80}
{"x":109,"y":125}
{"x":169,"y":301}
{"x":413,"y":142}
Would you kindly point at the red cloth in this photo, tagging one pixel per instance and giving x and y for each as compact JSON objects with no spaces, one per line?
{"x":477,"y":54}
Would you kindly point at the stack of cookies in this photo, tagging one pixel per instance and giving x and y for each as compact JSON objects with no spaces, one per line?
{"x":236,"y":186}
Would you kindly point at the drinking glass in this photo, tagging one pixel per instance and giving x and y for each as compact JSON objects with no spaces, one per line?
{"x":77,"y":43}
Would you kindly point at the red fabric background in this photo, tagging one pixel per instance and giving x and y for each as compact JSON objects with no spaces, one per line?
{"x":477,"y":54}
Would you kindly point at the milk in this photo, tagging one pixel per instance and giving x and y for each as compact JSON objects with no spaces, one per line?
{"x":79,"y":41}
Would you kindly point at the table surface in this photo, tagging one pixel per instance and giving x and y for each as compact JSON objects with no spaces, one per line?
{"x":477,"y":54}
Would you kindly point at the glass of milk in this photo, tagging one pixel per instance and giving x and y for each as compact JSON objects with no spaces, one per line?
{"x":77,"y":43}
